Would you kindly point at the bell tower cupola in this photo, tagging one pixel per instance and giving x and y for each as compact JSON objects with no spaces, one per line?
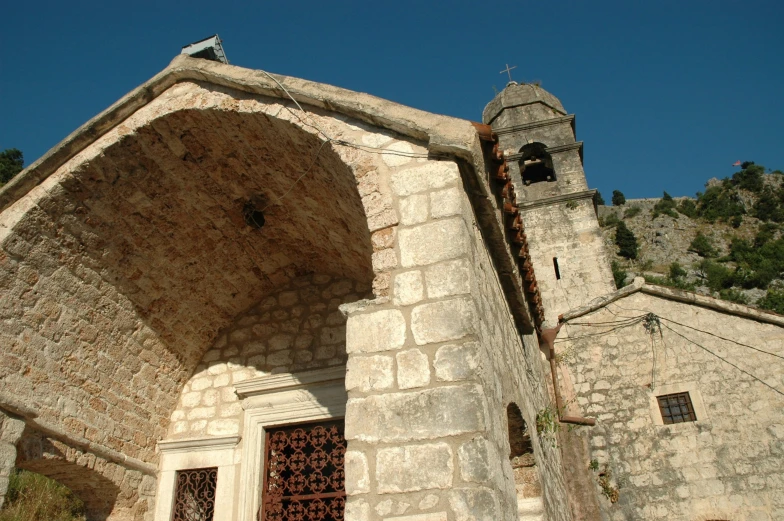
{"x":545,"y":162}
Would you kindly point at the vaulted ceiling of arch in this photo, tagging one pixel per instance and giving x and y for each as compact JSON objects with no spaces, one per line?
{"x":160,"y":216}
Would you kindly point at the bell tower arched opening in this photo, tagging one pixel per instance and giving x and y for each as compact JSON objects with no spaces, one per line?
{"x":536,"y":164}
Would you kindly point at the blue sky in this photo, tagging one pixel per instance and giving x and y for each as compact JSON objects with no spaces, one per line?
{"x":667,"y":94}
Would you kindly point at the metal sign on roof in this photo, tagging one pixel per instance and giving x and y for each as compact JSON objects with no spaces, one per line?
{"x":209,"y":48}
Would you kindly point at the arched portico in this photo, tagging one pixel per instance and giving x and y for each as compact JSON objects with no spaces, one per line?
{"x":167,"y":222}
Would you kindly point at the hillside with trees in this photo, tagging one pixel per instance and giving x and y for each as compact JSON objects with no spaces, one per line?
{"x":727,"y":242}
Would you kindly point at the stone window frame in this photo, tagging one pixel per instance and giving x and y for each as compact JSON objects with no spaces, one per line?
{"x":196,"y":453}
{"x":281,"y":399}
{"x":684,"y":387}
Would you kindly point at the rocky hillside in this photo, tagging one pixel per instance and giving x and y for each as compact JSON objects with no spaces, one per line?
{"x":727,"y":242}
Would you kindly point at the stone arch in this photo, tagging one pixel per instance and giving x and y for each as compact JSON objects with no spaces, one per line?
{"x":123,"y":265}
{"x":107,"y":489}
{"x":536,"y":164}
{"x":521,"y":455}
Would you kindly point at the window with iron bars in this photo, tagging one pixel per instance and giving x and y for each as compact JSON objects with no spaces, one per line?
{"x":304,"y":472}
{"x":676,"y":408}
{"x":194,"y":497}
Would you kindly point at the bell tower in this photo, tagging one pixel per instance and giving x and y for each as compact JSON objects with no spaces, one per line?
{"x":546,"y":164}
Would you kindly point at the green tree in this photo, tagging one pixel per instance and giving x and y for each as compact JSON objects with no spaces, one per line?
{"x":598,"y":198}
{"x":702,"y":246}
{"x":750,"y":177}
{"x":626,"y":241}
{"x":619,"y":274}
{"x":618,"y":198}
{"x":11,"y":163}
{"x":665,"y":206}
{"x":717,"y":276}
{"x":677,"y":272}
{"x":773,"y":300}
{"x":688,"y":208}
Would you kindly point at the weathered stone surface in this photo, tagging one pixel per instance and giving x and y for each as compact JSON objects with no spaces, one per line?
{"x":431,"y":516}
{"x":442,"y":321}
{"x":356,"y":509}
{"x":369,"y":373}
{"x":414,"y":467}
{"x":456,"y":362}
{"x":474,"y":504}
{"x":357,"y":479}
{"x":292,"y":330}
{"x":432,"y":242}
{"x":445,"y":203}
{"x":408,"y":288}
{"x":416,"y":415}
{"x":448,"y":278}
{"x":413,"y":209}
{"x":401,"y":154}
{"x":428,"y":176}
{"x":377,"y":331}
{"x":413,"y":369}
{"x":478,"y":460}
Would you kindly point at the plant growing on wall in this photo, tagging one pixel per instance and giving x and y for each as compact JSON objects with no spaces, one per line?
{"x":618,"y":199}
{"x":547,"y":425}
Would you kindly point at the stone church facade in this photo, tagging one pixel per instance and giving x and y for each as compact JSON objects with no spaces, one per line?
{"x":235,"y":296}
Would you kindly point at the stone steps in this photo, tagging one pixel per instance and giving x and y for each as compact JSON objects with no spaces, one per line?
{"x":530,"y":509}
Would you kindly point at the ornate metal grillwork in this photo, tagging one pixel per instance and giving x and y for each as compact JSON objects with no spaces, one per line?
{"x":194,"y":499}
{"x":304,"y":478}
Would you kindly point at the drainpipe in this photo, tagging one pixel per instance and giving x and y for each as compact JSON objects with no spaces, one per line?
{"x":547,"y":337}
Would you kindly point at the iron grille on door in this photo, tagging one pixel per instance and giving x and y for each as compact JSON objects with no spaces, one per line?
{"x":303,"y":473}
{"x":194,"y":498}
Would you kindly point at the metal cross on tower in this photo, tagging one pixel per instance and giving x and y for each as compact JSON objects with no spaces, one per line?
{"x":508,"y":70}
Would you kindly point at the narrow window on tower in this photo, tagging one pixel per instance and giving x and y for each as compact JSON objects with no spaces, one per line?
{"x":557,"y":269}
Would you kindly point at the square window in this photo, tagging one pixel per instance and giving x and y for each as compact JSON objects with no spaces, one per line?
{"x":194,"y":498}
{"x":676,"y":408}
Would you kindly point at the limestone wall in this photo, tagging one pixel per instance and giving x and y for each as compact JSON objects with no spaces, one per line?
{"x":511,"y":372}
{"x":727,"y":464}
{"x":570,"y":233}
{"x":430,"y":372}
{"x":296,"y":329}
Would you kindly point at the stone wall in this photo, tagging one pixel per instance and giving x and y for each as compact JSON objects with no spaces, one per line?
{"x":569,"y":232}
{"x":296,"y":329}
{"x":11,"y":429}
{"x":513,"y":373}
{"x":727,"y":464}
{"x":431,"y":370}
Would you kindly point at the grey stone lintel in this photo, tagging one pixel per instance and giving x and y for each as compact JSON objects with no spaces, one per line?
{"x":536,"y":124}
{"x":677,"y":295}
{"x":556,"y":199}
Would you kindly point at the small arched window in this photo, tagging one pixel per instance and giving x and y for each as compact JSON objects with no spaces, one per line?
{"x":536,"y":165}
{"x":521,"y":457}
{"x":520,"y":447}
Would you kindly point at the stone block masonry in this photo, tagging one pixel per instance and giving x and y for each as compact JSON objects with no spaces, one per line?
{"x":429,"y":370}
{"x":726,"y":464}
{"x":295,"y":329}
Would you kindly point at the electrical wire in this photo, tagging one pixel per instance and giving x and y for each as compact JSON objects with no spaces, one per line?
{"x":724,"y":360}
{"x":330,"y":139}
{"x":725,"y":339}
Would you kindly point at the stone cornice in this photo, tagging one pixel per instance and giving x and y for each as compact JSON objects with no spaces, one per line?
{"x":556,"y":199}
{"x":446,"y":136}
{"x":289,"y":381}
{"x":192,"y":444}
{"x":685,"y":297}
{"x":535,"y":124}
